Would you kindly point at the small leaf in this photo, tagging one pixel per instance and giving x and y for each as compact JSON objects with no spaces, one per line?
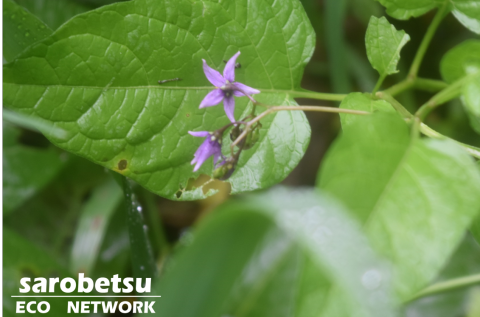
{"x":26,"y":169}
{"x":97,"y":78}
{"x":415,"y":198}
{"x":384,"y":43}
{"x":251,"y":254}
{"x":20,"y":29}
{"x":364,"y":102}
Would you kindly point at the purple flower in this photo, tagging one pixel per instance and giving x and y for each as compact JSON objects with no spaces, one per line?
{"x":226,"y":87}
{"x":210,"y":147}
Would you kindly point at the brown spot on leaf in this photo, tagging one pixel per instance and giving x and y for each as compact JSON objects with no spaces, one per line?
{"x":122,"y":165}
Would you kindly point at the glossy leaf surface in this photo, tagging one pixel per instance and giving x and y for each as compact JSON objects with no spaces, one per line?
{"x":384,"y":44}
{"x":277,"y":254}
{"x":96,"y":78}
{"x":391,"y":182}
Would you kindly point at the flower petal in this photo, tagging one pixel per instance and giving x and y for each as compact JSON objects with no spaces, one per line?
{"x":244,"y":90}
{"x":212,"y":75}
{"x":200,"y":134}
{"x":202,"y":154}
{"x":229,"y":106}
{"x":229,"y":70}
{"x":213,"y":98}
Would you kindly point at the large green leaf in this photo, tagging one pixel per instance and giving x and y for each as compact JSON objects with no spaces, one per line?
{"x":462,"y":263}
{"x":467,"y":12}
{"x":20,"y":29}
{"x":277,"y":254}
{"x":384,"y":43}
{"x":26,"y":169}
{"x":96,"y":77}
{"x":415,"y":197}
{"x":460,"y":62}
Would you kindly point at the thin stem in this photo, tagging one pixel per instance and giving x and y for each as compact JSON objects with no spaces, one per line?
{"x":431,"y":85}
{"x":444,"y":95}
{"x":447,"y":286}
{"x":472,"y":150}
{"x":272,"y":109}
{"x":317,"y":95}
{"x":397,"y":105}
{"x":400,"y":87}
{"x":379,"y":84}
{"x":417,"y":61}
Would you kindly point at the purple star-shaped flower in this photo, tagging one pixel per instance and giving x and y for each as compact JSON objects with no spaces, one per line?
{"x":210,"y":147}
{"x":226,"y":87}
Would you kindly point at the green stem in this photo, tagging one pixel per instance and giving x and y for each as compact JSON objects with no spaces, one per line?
{"x":158,"y":234}
{"x":444,"y":95}
{"x":431,"y":85}
{"x":425,"y":129}
{"x":317,"y":95}
{"x":143,"y":261}
{"x":397,"y":105}
{"x":447,"y":286}
{"x":472,"y":150}
{"x":425,"y":84}
{"x":379,"y":84}
{"x":417,"y":61}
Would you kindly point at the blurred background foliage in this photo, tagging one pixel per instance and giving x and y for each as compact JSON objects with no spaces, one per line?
{"x":54,"y":203}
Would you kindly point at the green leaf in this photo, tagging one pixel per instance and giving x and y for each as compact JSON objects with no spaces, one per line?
{"x":20,"y":29}
{"x":26,"y":169}
{"x":101,"y":87}
{"x":276,"y":254}
{"x":405,"y":192}
{"x":462,"y":263}
{"x":405,"y":9}
{"x":364,"y":102}
{"x":475,"y":227}
{"x":384,"y":43}
{"x":57,"y":207}
{"x":22,"y":259}
{"x":459,"y":62}
{"x":93,"y":222}
{"x":55,"y":12}
{"x":455,"y":62}
{"x":143,"y":261}
{"x":467,"y":12}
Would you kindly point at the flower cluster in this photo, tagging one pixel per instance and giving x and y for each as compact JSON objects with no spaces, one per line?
{"x":225,"y":90}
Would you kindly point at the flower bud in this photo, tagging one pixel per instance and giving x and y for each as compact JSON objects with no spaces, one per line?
{"x":226,"y":170}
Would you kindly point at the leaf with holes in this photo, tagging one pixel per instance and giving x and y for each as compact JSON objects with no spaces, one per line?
{"x":390,"y":182}
{"x":97,"y":78}
{"x":384,"y":43}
